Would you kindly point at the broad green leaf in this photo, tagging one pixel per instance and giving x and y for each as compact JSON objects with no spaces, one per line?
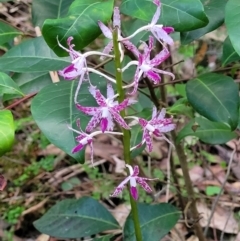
{"x":53,"y":110}
{"x":181,"y":89}
{"x":229,"y":54}
{"x":207,"y":131}
{"x":155,"y":221}
{"x":45,"y":9}
{"x":232,"y":21}
{"x":32,"y":56}
{"x":76,"y":219}
{"x":215,"y":10}
{"x":81,"y":23}
{"x":6,"y":131}
{"x":7,"y":32}
{"x":215,"y":97}
{"x":8,"y":86}
{"x":183,"y":15}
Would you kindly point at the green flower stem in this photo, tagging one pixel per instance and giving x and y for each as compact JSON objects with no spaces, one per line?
{"x":126,"y":133}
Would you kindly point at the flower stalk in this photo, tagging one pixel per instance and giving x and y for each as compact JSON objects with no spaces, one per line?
{"x":126,"y":133}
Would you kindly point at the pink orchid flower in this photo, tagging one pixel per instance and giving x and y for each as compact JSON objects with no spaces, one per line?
{"x":84,"y":139}
{"x":133,"y":178}
{"x":156,"y":126}
{"x":159,"y":32}
{"x":107,"y":32}
{"x":148,"y":67}
{"x":107,"y":111}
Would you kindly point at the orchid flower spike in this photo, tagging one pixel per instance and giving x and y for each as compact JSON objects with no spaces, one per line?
{"x":84,"y":139}
{"x":107,"y":111}
{"x":107,"y":32}
{"x":148,"y":67}
{"x":156,"y":126}
{"x":159,"y":32}
{"x":133,"y":178}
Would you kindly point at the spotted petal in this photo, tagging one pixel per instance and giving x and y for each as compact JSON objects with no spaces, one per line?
{"x":110,"y":91}
{"x":120,"y":187}
{"x":88,"y":110}
{"x":153,"y":76}
{"x":161,"y":35}
{"x":94,"y":121}
{"x":116,"y":18}
{"x":159,"y":58}
{"x":141,"y":181}
{"x":148,"y":139}
{"x":119,"y":119}
{"x":105,"y":30}
{"x":101,"y":100}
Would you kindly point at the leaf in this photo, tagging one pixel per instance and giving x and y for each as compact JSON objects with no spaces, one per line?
{"x":76,"y":219}
{"x":181,"y":107}
{"x":183,"y":15}
{"x":7,"y":32}
{"x":232,"y":21}
{"x":8,"y":86}
{"x":6,"y":131}
{"x":207,"y":131}
{"x":229,"y":54}
{"x":53,"y":109}
{"x":155,"y":221}
{"x":212,"y":190}
{"x":214,"y":10}
{"x":80,"y":23}
{"x":44,"y":9}
{"x":215,"y":97}
{"x":32,"y":56}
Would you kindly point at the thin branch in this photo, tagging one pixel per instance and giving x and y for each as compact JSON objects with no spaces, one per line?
{"x":220,"y":193}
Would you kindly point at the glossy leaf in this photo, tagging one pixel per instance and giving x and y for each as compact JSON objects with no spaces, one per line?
{"x":207,"y":131}
{"x":104,"y":238}
{"x":8,"y":86}
{"x":183,"y":15}
{"x":7,"y":32}
{"x":232,"y":21}
{"x":53,"y":110}
{"x":45,"y":9}
{"x":32,"y":56}
{"x":215,"y":97}
{"x":155,"y":221}
{"x":215,"y":10}
{"x":80,"y":23}
{"x":229,"y":54}
{"x":181,"y":107}
{"x":72,"y":218}
{"x":6,"y":131}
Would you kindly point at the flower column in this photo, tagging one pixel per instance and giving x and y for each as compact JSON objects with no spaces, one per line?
{"x":126,"y":133}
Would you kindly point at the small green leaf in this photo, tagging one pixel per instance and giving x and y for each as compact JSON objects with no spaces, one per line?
{"x":181,"y":107}
{"x":45,"y":9}
{"x":6,"y":131}
{"x":183,"y":15}
{"x":76,"y":219}
{"x":214,"y":10}
{"x":181,"y":89}
{"x":7,"y":32}
{"x":229,"y":54}
{"x":215,"y":97}
{"x":155,"y":221}
{"x":212,"y":190}
{"x":53,"y":109}
{"x":81,"y":23}
{"x":232,"y":21}
{"x":8,"y":86}
{"x":207,"y":131}
{"x":32,"y":56}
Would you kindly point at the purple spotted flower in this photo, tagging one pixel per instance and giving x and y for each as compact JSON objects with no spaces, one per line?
{"x":109,"y":32}
{"x":156,"y":126}
{"x":84,"y":139}
{"x":107,"y":111}
{"x":149,"y":67}
{"x":133,"y":178}
{"x":159,"y":32}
